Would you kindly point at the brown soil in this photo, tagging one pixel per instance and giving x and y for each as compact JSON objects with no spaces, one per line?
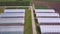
{"x":53,"y":5}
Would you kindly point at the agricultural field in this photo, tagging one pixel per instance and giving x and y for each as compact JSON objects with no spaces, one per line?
{"x":15,"y":2}
{"x":51,"y":0}
{"x":8,"y":0}
{"x":40,"y":6}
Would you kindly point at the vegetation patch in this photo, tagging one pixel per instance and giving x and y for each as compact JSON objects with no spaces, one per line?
{"x":28,"y":23}
{"x":15,"y":2}
{"x":40,"y":6}
{"x":8,"y":0}
{"x":1,"y":10}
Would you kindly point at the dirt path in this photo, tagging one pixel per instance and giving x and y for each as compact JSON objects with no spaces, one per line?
{"x":33,"y":21}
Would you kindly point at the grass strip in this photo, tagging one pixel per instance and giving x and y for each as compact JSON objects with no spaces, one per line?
{"x":28,"y":23}
{"x":1,"y":10}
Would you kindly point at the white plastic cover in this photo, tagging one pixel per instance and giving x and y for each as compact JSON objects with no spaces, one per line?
{"x":48,"y":20}
{"x":47,"y":14}
{"x":12,"y":15}
{"x":49,"y":28}
{"x":44,"y":10}
{"x":11,"y":20}
{"x":14,"y":10}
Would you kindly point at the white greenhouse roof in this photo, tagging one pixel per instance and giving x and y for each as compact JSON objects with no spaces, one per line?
{"x":47,"y":14}
{"x":44,"y":10}
{"x":11,"y":29}
{"x":14,"y":10}
{"x":12,"y":15}
{"x":49,"y":28}
{"x":11,"y":20}
{"x":48,"y":20}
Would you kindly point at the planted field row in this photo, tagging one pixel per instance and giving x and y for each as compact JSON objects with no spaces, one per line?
{"x":27,"y":3}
